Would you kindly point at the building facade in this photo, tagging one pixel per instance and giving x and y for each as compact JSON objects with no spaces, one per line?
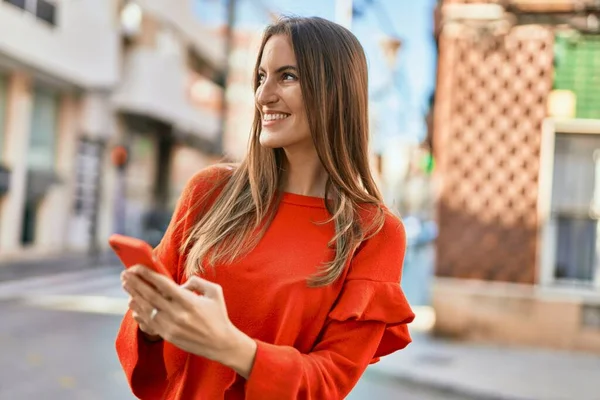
{"x":79,"y":79}
{"x":516,"y":127}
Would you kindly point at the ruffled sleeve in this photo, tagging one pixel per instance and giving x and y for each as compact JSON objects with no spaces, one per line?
{"x":372,"y":290}
{"x":366,"y":300}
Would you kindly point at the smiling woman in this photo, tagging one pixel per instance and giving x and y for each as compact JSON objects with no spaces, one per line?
{"x":296,"y":261}
{"x":279,"y":98}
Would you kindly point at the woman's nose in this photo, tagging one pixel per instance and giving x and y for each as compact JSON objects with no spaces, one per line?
{"x":266,"y":94}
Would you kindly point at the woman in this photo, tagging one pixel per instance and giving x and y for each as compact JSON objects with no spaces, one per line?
{"x":286,"y":268}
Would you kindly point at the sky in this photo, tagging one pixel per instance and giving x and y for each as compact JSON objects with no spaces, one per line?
{"x":400,"y":107}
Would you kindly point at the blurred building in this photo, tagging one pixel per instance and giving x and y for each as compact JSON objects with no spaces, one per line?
{"x":516,"y":139}
{"x":240,"y":92}
{"x":81,"y":78}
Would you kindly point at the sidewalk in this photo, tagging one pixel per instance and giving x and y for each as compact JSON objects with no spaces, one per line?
{"x":488,"y":372}
{"x":42,"y":266}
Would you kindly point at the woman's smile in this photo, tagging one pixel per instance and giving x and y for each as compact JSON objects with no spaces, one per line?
{"x":270,"y":119}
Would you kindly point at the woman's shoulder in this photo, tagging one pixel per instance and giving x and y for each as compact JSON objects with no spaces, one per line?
{"x":379,"y":256}
{"x":208,"y":178}
{"x":212,"y":173}
{"x":393,"y":225}
{"x":380,"y":221}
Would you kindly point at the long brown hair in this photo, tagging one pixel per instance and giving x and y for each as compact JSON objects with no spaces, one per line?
{"x":333,"y":79}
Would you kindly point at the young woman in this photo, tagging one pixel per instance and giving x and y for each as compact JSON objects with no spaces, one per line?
{"x":286,"y":268}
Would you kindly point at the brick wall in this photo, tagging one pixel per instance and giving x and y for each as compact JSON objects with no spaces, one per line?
{"x":490,"y":104}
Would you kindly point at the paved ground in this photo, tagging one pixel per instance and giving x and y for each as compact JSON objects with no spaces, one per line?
{"x":55,"y":264}
{"x":491,"y":372}
{"x":57,"y":334}
{"x":57,"y":342}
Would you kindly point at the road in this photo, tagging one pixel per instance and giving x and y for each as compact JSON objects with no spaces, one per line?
{"x":57,"y":342}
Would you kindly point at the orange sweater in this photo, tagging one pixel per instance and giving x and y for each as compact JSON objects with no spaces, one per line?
{"x":313,"y":343}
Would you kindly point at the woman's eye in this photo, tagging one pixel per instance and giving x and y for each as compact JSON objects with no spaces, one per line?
{"x":261,"y":78}
{"x":289,"y":77}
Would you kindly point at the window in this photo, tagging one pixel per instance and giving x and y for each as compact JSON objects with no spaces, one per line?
{"x":574,"y":213}
{"x":89,"y":159}
{"x":44,"y":10}
{"x":42,"y":144}
{"x":17,"y":3}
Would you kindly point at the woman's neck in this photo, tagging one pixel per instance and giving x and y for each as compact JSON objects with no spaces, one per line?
{"x":304,"y":174}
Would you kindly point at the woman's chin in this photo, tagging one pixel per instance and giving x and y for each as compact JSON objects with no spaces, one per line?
{"x":269,"y":142}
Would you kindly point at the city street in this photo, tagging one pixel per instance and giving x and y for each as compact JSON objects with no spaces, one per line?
{"x":57,"y":342}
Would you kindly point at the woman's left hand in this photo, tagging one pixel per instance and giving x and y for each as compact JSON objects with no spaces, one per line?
{"x":196,"y":323}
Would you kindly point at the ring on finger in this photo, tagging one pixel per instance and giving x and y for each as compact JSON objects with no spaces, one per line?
{"x":153,"y":313}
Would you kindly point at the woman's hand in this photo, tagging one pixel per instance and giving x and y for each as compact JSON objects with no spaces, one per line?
{"x":140,"y":312}
{"x":198,"y":324}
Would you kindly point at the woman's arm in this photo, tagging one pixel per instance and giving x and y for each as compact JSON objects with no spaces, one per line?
{"x":198,"y":324}
{"x":369,"y":320}
{"x":142,"y":354}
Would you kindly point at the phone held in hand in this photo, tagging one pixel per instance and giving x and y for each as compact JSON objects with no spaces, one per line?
{"x":132,"y":251}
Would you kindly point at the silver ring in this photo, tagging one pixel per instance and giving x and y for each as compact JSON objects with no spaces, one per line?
{"x":153,"y":313}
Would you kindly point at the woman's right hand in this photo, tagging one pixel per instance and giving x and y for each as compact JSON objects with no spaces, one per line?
{"x":140,"y":315}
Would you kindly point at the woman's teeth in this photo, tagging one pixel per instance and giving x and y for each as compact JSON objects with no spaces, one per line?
{"x":273,"y":117}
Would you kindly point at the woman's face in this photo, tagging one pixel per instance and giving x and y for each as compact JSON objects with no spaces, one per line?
{"x":279,"y":98}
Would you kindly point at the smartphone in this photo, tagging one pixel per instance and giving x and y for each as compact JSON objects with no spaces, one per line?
{"x":132,"y":251}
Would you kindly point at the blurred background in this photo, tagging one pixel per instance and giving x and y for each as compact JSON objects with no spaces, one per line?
{"x":485,"y":125}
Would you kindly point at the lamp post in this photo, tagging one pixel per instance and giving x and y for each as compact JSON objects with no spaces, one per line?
{"x":119,"y":157}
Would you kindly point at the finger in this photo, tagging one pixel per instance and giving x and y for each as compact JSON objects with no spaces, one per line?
{"x":141,"y":321}
{"x":143,"y":312}
{"x":127,"y":286}
{"x":150,"y":295}
{"x":143,"y":316}
{"x":137,"y":300}
{"x":144,"y":308}
{"x":138,"y":317}
{"x":126,"y":275}
{"x":131,"y":285}
{"x":163,"y":284}
{"x":139,"y":308}
{"x":207,"y":288}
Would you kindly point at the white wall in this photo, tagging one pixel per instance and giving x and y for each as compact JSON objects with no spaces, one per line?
{"x":82,"y":49}
{"x":180,"y":14}
{"x":141,"y":92}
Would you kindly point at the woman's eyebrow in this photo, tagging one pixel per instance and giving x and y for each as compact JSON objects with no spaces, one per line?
{"x":281,"y":69}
